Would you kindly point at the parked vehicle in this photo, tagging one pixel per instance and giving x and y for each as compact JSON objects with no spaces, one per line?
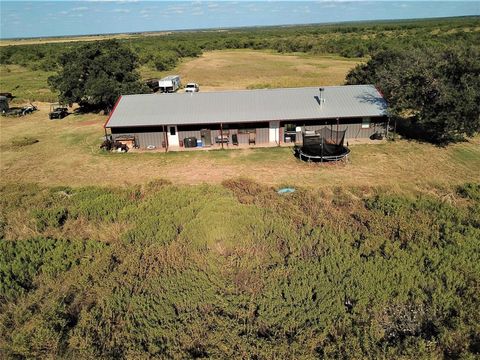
{"x":152,"y":84}
{"x":8,"y":95}
{"x":4,"y":104}
{"x":57,"y":111}
{"x":6,"y":110}
{"x":192,"y":87}
{"x":169,"y":84}
{"x":29,"y":109}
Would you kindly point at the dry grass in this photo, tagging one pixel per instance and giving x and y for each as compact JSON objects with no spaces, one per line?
{"x":48,"y":40}
{"x":216,"y":70}
{"x":242,"y":69}
{"x":26,"y":84}
{"x":67,"y":154}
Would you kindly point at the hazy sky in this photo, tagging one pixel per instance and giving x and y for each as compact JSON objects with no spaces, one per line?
{"x":51,"y":18}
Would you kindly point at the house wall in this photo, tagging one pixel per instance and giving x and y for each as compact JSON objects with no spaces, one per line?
{"x":266,"y":133}
{"x":261,"y":130}
{"x":143,"y":138}
{"x":352,"y":125}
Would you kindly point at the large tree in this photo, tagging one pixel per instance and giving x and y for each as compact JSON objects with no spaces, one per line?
{"x":94,"y":75}
{"x":437,"y":90}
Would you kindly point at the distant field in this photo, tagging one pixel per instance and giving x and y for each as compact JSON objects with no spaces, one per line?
{"x":66,"y":39}
{"x":214,"y":70}
{"x":26,"y":84}
{"x":248,"y":69}
{"x":68,"y":154}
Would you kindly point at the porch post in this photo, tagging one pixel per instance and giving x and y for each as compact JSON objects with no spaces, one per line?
{"x":165,"y":138}
{"x":221,"y":134}
{"x":338,"y":120}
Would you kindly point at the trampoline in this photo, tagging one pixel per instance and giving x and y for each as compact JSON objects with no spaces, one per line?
{"x":322,"y":145}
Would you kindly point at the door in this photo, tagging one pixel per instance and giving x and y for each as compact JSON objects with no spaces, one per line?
{"x":206,"y":135}
{"x":172,"y":136}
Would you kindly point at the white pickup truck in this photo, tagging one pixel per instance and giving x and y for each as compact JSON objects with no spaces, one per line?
{"x":192,"y":87}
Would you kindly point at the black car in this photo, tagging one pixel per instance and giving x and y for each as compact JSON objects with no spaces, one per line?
{"x":57,"y":112}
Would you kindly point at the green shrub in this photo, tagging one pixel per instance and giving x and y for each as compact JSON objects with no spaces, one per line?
{"x":98,"y":204}
{"x":388,"y":205}
{"x":55,"y":217}
{"x":469,"y":191}
{"x":166,"y":60}
{"x":21,"y":261}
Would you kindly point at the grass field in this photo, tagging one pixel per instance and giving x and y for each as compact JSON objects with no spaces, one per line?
{"x":68,"y":154}
{"x":247,"y":69}
{"x":26,"y":84}
{"x":215,"y":70}
{"x":68,"y":150}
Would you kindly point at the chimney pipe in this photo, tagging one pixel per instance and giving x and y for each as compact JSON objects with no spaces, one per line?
{"x":322,"y":100}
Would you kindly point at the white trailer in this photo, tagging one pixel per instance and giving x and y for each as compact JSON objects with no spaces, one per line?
{"x":169,"y":84}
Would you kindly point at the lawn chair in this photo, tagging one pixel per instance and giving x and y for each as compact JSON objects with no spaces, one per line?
{"x":251,"y":138}
{"x":235,"y":139}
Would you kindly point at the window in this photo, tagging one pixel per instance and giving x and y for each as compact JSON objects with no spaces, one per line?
{"x":172,"y":130}
{"x":366,"y":123}
{"x":290,"y":127}
{"x":247,"y":131}
{"x":225,"y":129}
{"x":248,"y":128}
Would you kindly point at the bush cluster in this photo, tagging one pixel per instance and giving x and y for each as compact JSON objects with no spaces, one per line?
{"x":237,"y":270}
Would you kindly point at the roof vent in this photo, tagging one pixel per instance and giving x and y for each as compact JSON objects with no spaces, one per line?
{"x":321,"y":98}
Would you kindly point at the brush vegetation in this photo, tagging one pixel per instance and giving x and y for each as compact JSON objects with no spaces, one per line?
{"x":236,"y":270}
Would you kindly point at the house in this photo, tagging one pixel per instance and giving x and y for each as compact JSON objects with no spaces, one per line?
{"x":267,"y":117}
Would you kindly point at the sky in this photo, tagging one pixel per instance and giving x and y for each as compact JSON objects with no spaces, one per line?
{"x":21,"y":19}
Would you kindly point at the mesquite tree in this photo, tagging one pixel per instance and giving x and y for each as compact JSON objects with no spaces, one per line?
{"x":437,"y":89}
{"x":94,"y":75}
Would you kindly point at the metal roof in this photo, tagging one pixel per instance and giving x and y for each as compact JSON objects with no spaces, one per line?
{"x":169,"y":77}
{"x":247,"y":106}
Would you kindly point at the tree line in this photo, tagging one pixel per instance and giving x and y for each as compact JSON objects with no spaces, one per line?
{"x":348,"y":40}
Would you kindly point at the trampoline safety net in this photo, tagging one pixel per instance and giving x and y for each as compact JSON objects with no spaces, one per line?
{"x":324,"y":143}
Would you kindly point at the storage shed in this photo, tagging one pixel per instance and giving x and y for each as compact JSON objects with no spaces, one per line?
{"x":249,"y":117}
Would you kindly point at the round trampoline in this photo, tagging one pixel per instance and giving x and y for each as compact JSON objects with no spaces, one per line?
{"x":322,"y":145}
{"x":306,"y":156}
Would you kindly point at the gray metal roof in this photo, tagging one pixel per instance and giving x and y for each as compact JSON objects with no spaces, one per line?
{"x":169,"y":77}
{"x":247,"y":106}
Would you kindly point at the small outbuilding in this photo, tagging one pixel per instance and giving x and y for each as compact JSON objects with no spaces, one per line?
{"x":267,"y":117}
